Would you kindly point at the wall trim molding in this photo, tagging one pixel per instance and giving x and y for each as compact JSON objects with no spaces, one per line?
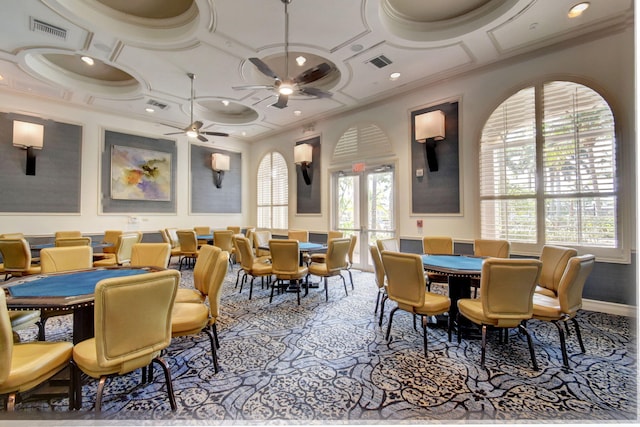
{"x":610,"y":308}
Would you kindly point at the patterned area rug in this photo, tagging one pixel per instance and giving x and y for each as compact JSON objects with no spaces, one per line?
{"x":329,"y":362}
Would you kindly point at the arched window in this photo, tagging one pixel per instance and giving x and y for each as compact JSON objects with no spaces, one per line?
{"x":548,"y":168}
{"x":273,"y":192}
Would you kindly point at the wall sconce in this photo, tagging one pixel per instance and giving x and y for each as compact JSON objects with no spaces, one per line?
{"x":219,"y":164}
{"x":429,"y":128}
{"x":302,"y":155}
{"x":30,"y":137}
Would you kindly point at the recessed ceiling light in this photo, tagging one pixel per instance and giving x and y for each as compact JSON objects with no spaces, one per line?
{"x":577,"y":9}
{"x":1,"y":77}
{"x":300,"y":60}
{"x":394,"y":76}
{"x":297,"y":112}
{"x":225,"y":102}
{"x":87,"y":60}
{"x":244,"y":133}
{"x":149,"y":110}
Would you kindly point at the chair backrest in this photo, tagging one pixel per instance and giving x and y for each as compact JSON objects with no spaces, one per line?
{"x":70,"y":233}
{"x":188,"y":240}
{"x":245,"y":252}
{"x":506,"y":289}
{"x":234,"y":228}
{"x":202,"y":268}
{"x":67,"y":258}
{"x":405,"y":278}
{"x":378,"y":268}
{"x":172,"y":235}
{"x":215,"y":281}
{"x":389,"y":244}
{"x":133,"y":318}
{"x":12,"y":236}
{"x":73,"y":241}
{"x":249,"y":234}
{"x":165,"y":236}
{"x":337,"y":252}
{"x":285,"y":256}
{"x":572,"y":283}
{"x":334,"y":235}
{"x":16,"y":254}
{"x":492,"y":248}
{"x":124,"y":247}
{"x":554,"y":261}
{"x":437,"y":245}
{"x":150,"y":254}
{"x":299,"y":235}
{"x":111,"y":236}
{"x":223,"y":239}
{"x":6,"y":340}
{"x":352,"y":248}
{"x":261,"y":238}
{"x":202,"y":230}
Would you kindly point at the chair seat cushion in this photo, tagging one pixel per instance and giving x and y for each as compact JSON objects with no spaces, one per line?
{"x":105,"y":262}
{"x":85,"y":356}
{"x":302,"y":271}
{"x":33,"y":269}
{"x":188,"y":295}
{"x":544,"y":291}
{"x":35,"y":362}
{"x":188,"y":319}
{"x":472,"y":310}
{"x":433,"y":304}
{"x":546,"y":308}
{"x":260,"y":269}
{"x":319,"y":258}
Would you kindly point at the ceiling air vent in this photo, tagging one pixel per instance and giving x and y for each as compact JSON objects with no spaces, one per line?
{"x":156,"y":104}
{"x":380,"y":61}
{"x":43,"y":27}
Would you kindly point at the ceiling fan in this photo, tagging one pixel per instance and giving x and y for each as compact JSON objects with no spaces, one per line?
{"x":193,"y":130}
{"x":288,"y":86}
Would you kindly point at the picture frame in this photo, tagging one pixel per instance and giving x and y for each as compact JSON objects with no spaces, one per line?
{"x":140,"y":174}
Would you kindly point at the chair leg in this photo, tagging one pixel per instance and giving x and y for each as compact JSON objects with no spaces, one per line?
{"x":484,"y":344}
{"x":101,"y":383}
{"x":424,"y":334}
{"x":390,"y":320}
{"x":167,"y":380}
{"x":384,"y":299}
{"x":75,"y":386}
{"x":578,"y":334}
{"x":350,"y":278}
{"x":238,"y":276}
{"x":40,"y":324}
{"x":563,"y":345}
{"x":326,"y":290}
{"x":11,"y":402}
{"x":531,"y":350}
{"x":344,"y":282}
{"x":214,"y":353}
{"x":378,"y":298}
{"x":251,"y":287}
{"x":214,"y":328}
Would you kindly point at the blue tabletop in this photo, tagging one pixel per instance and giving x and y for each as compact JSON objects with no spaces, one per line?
{"x":53,"y":245}
{"x":68,"y":285}
{"x":308,"y":246}
{"x":453,"y":262}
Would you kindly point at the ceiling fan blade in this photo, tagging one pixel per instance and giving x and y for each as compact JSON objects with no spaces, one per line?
{"x":313,"y":74}
{"x":174,"y":133}
{"x":281,"y":102}
{"x":172,"y":126}
{"x":312,"y":91}
{"x":202,"y":138}
{"x":196,"y":125}
{"x":215,"y":133}
{"x":252,"y":87}
{"x":264,"y":68}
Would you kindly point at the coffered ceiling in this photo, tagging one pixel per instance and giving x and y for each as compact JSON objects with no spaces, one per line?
{"x":142,"y":51}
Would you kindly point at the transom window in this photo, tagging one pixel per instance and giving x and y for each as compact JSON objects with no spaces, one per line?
{"x":548,"y":168}
{"x":273,"y":192}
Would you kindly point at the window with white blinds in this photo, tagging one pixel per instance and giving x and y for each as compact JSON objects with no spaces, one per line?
{"x":548,"y":168}
{"x":273,"y":192}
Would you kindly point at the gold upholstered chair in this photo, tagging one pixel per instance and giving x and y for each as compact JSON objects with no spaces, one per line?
{"x":506,"y":299}
{"x":250,"y":264}
{"x":381,"y":280}
{"x":299,"y":235}
{"x":127,"y":339}
{"x":110,"y":238}
{"x":123,"y":251}
{"x":405,"y":286}
{"x":24,"y":366}
{"x":436,"y":245}
{"x":201,"y":271}
{"x":388,"y":244}
{"x":224,"y":240}
{"x":67,"y":233}
{"x":73,"y":241}
{"x":335,"y":262}
{"x":554,"y":261}
{"x":169,"y":236}
{"x":188,"y":247}
{"x":16,"y":256}
{"x":565,"y":306}
{"x":150,"y":255}
{"x":261,"y":240}
{"x":285,"y":265}
{"x":192,"y":319}
{"x":234,"y":228}
{"x":202,"y":231}
{"x":491,"y":248}
{"x":320,"y":257}
{"x":352,"y":247}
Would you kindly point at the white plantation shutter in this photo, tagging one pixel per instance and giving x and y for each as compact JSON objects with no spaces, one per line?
{"x":273,"y":192}
{"x":575,"y":202}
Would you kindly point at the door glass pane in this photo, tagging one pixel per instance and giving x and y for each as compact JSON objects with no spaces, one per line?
{"x":348,"y":213}
{"x":380,"y":205}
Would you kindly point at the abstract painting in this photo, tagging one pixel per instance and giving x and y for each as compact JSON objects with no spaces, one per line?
{"x":138,"y":174}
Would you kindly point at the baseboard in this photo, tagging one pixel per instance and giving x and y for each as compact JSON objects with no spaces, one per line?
{"x":610,"y":308}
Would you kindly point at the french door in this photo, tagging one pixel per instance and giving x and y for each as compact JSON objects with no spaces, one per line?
{"x":364,"y":204}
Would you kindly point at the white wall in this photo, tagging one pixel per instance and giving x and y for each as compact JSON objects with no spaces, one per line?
{"x":605,"y":64}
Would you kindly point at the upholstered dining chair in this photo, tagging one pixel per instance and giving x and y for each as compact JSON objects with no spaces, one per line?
{"x":56,"y":260}
{"x":350,"y":260}
{"x":251,"y":265}
{"x":381,"y":280}
{"x":388,"y":244}
{"x":110,"y":237}
{"x":234,"y":228}
{"x":249,"y":235}
{"x":436,"y":245}
{"x":23,"y":366}
{"x":188,"y":247}
{"x":285,"y":265}
{"x":192,"y":319}
{"x":261,"y":240}
{"x":565,"y":306}
{"x":150,"y":255}
{"x":202,"y":231}
{"x":238,"y":255}
{"x":335,"y":262}
{"x":67,"y":233}
{"x":320,"y":257}
{"x":201,"y":271}
{"x":169,"y":236}
{"x":554,"y":261}
{"x":506,"y":299}
{"x":124,"y":246}
{"x":224,"y":240}
{"x":73,"y":241}
{"x":405,"y":286}
{"x":301,"y":236}
{"x":491,"y":248}
{"x":132,"y":326}
{"x":16,"y":256}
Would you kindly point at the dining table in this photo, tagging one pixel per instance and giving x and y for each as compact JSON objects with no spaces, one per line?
{"x":71,"y":291}
{"x":460,"y":270}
